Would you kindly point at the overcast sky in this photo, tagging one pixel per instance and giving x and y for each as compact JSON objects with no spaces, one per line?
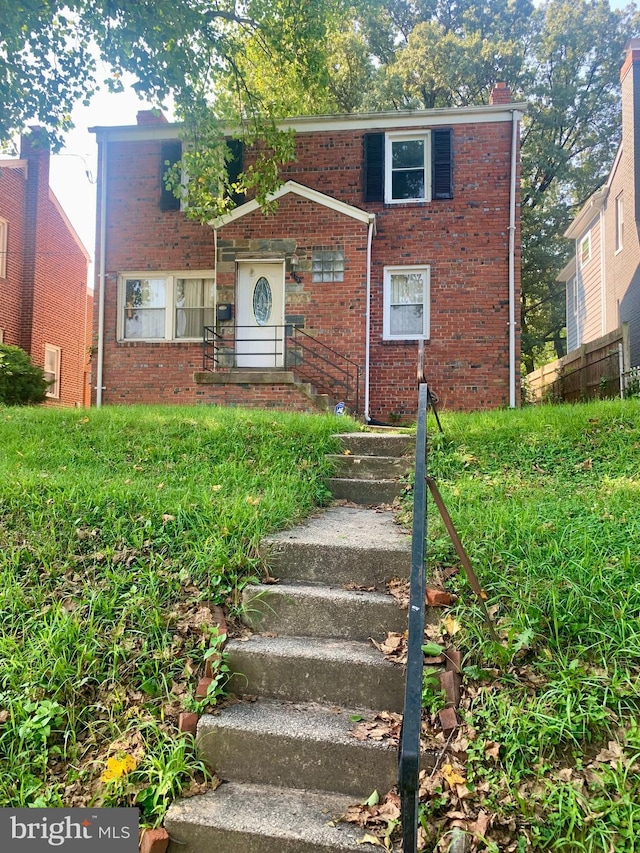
{"x":74,"y":189}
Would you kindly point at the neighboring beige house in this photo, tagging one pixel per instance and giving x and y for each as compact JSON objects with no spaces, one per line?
{"x":603,"y":277}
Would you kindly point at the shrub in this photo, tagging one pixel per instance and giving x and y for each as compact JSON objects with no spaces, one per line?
{"x":21,"y":382}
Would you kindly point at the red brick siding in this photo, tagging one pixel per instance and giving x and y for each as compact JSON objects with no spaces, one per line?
{"x":45,"y":293}
{"x":12,"y":186}
{"x":464,"y":241}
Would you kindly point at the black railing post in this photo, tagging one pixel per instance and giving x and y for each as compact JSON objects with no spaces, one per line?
{"x":409,"y":755}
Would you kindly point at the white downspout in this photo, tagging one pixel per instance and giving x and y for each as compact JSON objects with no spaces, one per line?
{"x":101,"y":271}
{"x":367,"y":345}
{"x":515,"y":117}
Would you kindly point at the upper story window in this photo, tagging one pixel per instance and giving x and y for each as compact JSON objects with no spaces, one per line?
{"x":408,"y":167}
{"x":619,"y":222}
{"x":52,"y":370}
{"x":407,"y":176}
{"x":406,"y":303}
{"x":4,"y":233}
{"x":327,"y":265}
{"x":585,"y":249}
{"x":158,"y":306}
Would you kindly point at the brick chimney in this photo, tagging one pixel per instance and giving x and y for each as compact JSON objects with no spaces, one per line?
{"x":630,"y":84}
{"x":147,"y":117}
{"x":34,"y":148}
{"x":500,"y":94}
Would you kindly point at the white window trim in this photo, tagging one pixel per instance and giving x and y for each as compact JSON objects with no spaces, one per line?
{"x":388,"y":171}
{"x":426,"y":316}
{"x":53,"y":391}
{"x":4,"y":240}
{"x":169,"y":320}
{"x":619,"y":222}
{"x":574,"y":294}
{"x":585,"y":239}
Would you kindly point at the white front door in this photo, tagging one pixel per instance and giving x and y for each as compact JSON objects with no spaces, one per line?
{"x":260,"y":314}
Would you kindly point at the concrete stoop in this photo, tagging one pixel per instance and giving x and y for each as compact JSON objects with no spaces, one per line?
{"x":285,"y":750}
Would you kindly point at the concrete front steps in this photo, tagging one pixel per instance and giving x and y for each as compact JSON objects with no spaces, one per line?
{"x":285,"y":752}
{"x":371,"y":467}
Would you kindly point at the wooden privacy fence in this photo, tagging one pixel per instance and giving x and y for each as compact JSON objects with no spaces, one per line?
{"x":598,"y":369}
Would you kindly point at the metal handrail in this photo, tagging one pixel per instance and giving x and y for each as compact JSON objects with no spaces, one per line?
{"x":325,"y":367}
{"x":409,"y":753}
{"x":328,"y":362}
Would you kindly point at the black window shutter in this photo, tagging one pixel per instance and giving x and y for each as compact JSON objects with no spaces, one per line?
{"x":442,"y":163}
{"x":374,"y":167}
{"x":171,"y":153}
{"x":235,"y":166}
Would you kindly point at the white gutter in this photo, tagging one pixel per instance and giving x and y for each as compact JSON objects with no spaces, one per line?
{"x":101,"y":270}
{"x":367,"y":345}
{"x":515,"y":118}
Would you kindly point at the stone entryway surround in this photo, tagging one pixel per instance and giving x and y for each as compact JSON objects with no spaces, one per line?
{"x":285,"y":751}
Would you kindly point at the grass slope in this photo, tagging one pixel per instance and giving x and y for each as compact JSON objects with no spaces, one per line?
{"x":116,"y":527}
{"x":546,"y":503}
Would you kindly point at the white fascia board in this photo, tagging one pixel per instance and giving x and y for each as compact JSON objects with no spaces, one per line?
{"x":304,"y":192}
{"x":568,"y":271}
{"x":396,"y":120}
{"x":590,"y":210}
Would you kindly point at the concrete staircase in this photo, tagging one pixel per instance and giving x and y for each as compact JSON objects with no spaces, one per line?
{"x":304,"y":677}
{"x":368,"y":471}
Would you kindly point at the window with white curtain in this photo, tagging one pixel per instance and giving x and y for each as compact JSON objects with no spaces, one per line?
{"x":159,"y":306}
{"x":406,"y":303}
{"x":52,"y":370}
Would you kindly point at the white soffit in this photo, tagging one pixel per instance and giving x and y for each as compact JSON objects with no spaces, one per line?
{"x":304,"y":192}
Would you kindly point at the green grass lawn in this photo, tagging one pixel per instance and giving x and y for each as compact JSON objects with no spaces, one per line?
{"x":116,"y":526}
{"x":547,"y":503}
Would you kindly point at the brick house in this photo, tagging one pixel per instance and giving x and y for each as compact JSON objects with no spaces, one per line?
{"x":603,"y":277}
{"x":390,"y":229}
{"x":45,"y":307}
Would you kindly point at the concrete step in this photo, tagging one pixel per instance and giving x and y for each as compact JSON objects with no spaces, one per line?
{"x":336,"y":672}
{"x":364,"y":492}
{"x":249,"y":818}
{"x":370,"y":467}
{"x":298,"y":610}
{"x":344,"y":545}
{"x":378,"y":443}
{"x":295,"y":746}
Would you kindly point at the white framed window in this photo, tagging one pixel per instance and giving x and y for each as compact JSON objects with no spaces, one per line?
{"x":4,"y":238}
{"x":52,"y":370}
{"x":585,"y":249}
{"x":407,"y":167}
{"x":165,"y":306}
{"x":573,"y":284}
{"x":327,"y":265}
{"x":406,"y":303}
{"x":619,"y":222}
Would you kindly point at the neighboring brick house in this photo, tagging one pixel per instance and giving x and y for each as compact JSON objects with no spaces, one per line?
{"x":603,"y":277}
{"x":390,"y":228}
{"x":45,"y":306}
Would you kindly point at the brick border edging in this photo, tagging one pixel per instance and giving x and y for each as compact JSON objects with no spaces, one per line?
{"x":188,"y":721}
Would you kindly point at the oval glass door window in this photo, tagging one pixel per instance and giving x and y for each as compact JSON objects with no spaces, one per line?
{"x":262,"y":301}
